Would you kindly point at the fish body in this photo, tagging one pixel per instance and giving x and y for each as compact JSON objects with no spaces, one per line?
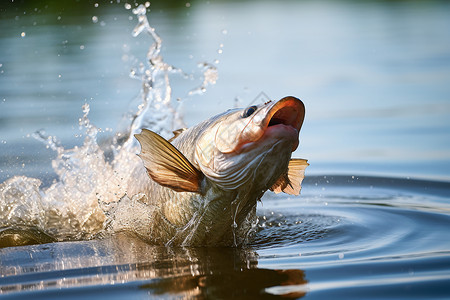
{"x":204,"y":185}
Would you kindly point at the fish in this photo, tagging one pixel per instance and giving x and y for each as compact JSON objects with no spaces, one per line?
{"x":203,"y":185}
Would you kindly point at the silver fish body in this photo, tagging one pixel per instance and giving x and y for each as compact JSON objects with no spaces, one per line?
{"x":205,"y":184}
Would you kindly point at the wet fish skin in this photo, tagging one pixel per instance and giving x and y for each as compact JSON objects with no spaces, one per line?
{"x":205,"y":185}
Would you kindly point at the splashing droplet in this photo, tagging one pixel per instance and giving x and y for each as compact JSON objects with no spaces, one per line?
{"x":90,"y":176}
{"x":210,"y":76}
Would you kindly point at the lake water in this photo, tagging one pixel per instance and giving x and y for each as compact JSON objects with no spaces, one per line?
{"x":373,"y":217}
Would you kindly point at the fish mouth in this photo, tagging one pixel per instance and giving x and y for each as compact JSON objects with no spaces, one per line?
{"x":289,"y":111}
{"x":285,"y":118}
{"x":281,"y":120}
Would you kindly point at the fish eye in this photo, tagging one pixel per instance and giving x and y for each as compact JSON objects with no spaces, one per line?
{"x":249,"y":111}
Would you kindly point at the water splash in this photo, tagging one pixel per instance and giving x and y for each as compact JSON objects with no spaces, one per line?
{"x":210,"y":76}
{"x":93,"y":180}
{"x":156,"y":110}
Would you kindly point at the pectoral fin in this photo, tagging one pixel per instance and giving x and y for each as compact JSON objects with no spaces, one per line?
{"x":290,"y":181}
{"x":166,"y":165}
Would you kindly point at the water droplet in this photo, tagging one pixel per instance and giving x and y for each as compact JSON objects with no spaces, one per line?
{"x":81,"y":47}
{"x":127,"y":6}
{"x":188,"y":4}
{"x":59,"y":75}
{"x":224,"y":31}
{"x":23,"y":34}
{"x":94,"y":19}
{"x":147,"y":4}
{"x":102,"y":23}
{"x":96,"y":5}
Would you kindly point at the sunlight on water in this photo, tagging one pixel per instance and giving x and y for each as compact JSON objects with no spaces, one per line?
{"x":93,"y":178}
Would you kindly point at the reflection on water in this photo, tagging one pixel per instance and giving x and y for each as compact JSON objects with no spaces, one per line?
{"x":232,"y":283}
{"x":211,"y":272}
{"x":352,"y":237}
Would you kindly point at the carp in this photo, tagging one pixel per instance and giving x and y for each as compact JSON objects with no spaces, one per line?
{"x":203,"y":184}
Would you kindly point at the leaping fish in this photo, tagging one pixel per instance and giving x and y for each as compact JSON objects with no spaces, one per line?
{"x":205,"y":182}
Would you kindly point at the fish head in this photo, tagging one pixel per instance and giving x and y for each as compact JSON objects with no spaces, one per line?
{"x":251,"y":144}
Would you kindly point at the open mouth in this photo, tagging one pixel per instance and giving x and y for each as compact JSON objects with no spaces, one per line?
{"x":289,"y":111}
{"x":280,"y":120}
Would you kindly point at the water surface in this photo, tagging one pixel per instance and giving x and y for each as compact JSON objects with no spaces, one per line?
{"x":348,"y":238}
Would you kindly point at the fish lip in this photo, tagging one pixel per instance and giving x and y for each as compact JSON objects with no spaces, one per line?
{"x":289,"y":111}
{"x":286,"y":117}
{"x":282,"y":118}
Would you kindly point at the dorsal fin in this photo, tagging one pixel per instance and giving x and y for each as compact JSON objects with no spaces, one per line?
{"x":166,"y":165}
{"x":176,"y":133}
{"x":290,"y":181}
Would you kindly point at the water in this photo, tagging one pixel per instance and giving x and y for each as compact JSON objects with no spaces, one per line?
{"x":351,"y":238}
{"x":373,"y":77}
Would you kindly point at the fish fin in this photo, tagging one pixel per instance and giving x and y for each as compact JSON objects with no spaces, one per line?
{"x":290,"y":181}
{"x":280,"y":184}
{"x":176,"y":133}
{"x":166,"y":165}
